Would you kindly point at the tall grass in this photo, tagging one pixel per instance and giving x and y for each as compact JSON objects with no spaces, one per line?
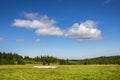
{"x":63,"y":72}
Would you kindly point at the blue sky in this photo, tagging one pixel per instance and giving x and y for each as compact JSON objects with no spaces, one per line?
{"x":62,"y":28}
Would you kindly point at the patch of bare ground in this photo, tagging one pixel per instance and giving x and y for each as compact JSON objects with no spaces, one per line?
{"x":46,"y":67}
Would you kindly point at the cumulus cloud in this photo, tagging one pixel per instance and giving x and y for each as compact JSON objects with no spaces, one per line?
{"x":2,"y":39}
{"x":53,"y":31}
{"x":84,"y":31}
{"x":37,"y":40}
{"x":42,"y":24}
{"x":45,"y":26}
{"x":20,"y":40}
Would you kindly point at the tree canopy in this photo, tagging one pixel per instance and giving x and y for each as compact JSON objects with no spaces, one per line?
{"x":13,"y":58}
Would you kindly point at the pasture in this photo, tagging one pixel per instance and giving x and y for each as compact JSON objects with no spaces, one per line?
{"x":62,"y":72}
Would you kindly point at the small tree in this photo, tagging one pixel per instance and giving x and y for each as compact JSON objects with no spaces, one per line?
{"x":86,"y":61}
{"x":48,"y":59}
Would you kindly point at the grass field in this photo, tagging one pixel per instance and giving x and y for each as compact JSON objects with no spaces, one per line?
{"x":63,"y":72}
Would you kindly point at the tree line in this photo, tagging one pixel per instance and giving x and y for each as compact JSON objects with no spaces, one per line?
{"x":46,"y":59}
{"x":99,"y":60}
{"x":14,"y":58}
{"x":10,"y":58}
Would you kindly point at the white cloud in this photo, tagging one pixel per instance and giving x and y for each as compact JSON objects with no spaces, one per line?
{"x":53,"y":31}
{"x":2,"y":39}
{"x":45,"y":26}
{"x":42,"y":24}
{"x":37,"y":40}
{"x":34,"y":24}
{"x":20,"y":40}
{"x":84,"y":31}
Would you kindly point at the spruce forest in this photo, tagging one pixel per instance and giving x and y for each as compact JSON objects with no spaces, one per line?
{"x":14,"y":58}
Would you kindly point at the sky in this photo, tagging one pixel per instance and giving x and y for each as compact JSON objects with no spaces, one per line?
{"x":74,"y":29}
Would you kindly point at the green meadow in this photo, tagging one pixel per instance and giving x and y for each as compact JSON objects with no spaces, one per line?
{"x":62,"y":72}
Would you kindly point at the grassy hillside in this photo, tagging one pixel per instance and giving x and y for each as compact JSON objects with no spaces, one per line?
{"x":63,"y":72}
